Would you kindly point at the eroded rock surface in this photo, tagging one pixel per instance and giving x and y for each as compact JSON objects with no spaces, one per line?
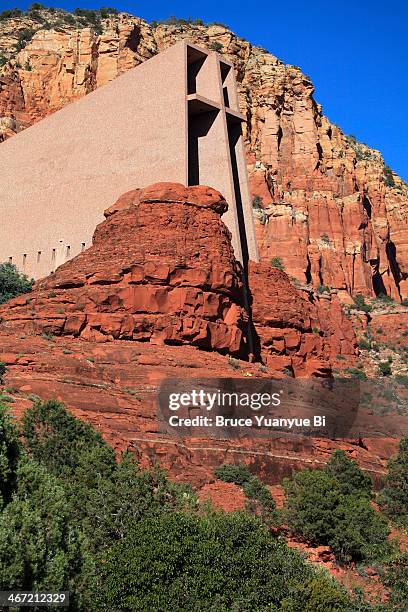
{"x":161,"y":269}
{"x":328,"y":207}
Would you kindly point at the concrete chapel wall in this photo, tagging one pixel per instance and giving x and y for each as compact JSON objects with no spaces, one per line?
{"x":58,"y":176}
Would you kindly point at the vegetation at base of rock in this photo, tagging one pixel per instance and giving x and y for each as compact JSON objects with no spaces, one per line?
{"x":276,"y":262}
{"x":259,"y":211}
{"x":10,"y":14}
{"x":394,"y":496}
{"x":360,"y":304}
{"x":257,"y":202}
{"x":364,"y":344}
{"x":23,"y":38}
{"x":9,"y":455}
{"x":74,"y":517}
{"x":12,"y":282}
{"x":323,"y":289}
{"x":383,"y":300}
{"x":259,"y":499}
{"x":238,"y":474}
{"x":356,"y":373}
{"x":348,"y":476}
{"x":180,"y":21}
{"x":332,"y":507}
{"x":221,"y":562}
{"x":49,"y":17}
{"x":385,"y":368}
{"x":396,"y":579}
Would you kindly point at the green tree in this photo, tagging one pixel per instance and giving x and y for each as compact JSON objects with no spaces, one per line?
{"x":259,"y":499}
{"x":318,"y":594}
{"x":388,"y":177}
{"x":3,"y":370}
{"x":216,"y":46}
{"x":276,"y":262}
{"x":385,"y":368}
{"x":349,"y":477}
{"x":311,"y":502}
{"x":112,"y":507}
{"x":41,"y":548}
{"x":238,"y":474}
{"x":396,"y":578}
{"x":105,"y":496}
{"x":360,"y":304}
{"x":12,"y":282}
{"x":118,"y":537}
{"x":318,"y":510}
{"x":257,"y":202}
{"x":394,"y":496}
{"x":66,"y":445}
{"x":359,"y":532}
{"x":222,"y":562}
{"x":10,"y":450}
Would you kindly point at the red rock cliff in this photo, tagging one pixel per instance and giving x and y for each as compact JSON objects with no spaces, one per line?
{"x":159,"y":295}
{"x":161,"y":269}
{"x":326,"y":205}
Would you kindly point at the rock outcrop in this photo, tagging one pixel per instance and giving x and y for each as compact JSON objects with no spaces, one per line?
{"x":161,"y":269}
{"x":325,"y":203}
{"x":297,"y":335}
{"x":159,"y":295}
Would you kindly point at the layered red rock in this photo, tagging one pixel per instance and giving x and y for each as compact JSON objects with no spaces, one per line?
{"x":161,"y":269}
{"x":295,"y":333}
{"x":114,"y":385}
{"x":159,"y":285}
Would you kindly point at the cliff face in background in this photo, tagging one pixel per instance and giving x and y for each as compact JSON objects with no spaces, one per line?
{"x":327,"y":205}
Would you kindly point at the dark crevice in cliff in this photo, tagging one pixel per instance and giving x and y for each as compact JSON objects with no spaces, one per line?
{"x":280,"y":136}
{"x":133,"y":40}
{"x":378,"y":283}
{"x":319,"y":152}
{"x":391,"y":251}
{"x":367,"y":206}
{"x":308,"y":273}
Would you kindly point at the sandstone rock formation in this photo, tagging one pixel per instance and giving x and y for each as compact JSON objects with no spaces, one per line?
{"x":159,"y":295}
{"x":161,"y":269}
{"x":295,"y":334}
{"x":326,"y":205}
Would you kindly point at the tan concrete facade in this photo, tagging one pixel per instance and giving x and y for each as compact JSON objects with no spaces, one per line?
{"x":173,"y":118}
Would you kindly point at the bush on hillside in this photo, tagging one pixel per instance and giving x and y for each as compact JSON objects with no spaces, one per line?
{"x":12,"y":282}
{"x":238,"y":474}
{"x":259,"y":499}
{"x":10,"y":14}
{"x":276,"y":262}
{"x":10,"y":450}
{"x":326,"y":507}
{"x":349,"y":477}
{"x":360,"y":304}
{"x":394,"y":496}
{"x":396,"y":579}
{"x":217,"y":562}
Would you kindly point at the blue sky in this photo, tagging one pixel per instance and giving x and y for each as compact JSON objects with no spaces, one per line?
{"x":356,"y":53}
